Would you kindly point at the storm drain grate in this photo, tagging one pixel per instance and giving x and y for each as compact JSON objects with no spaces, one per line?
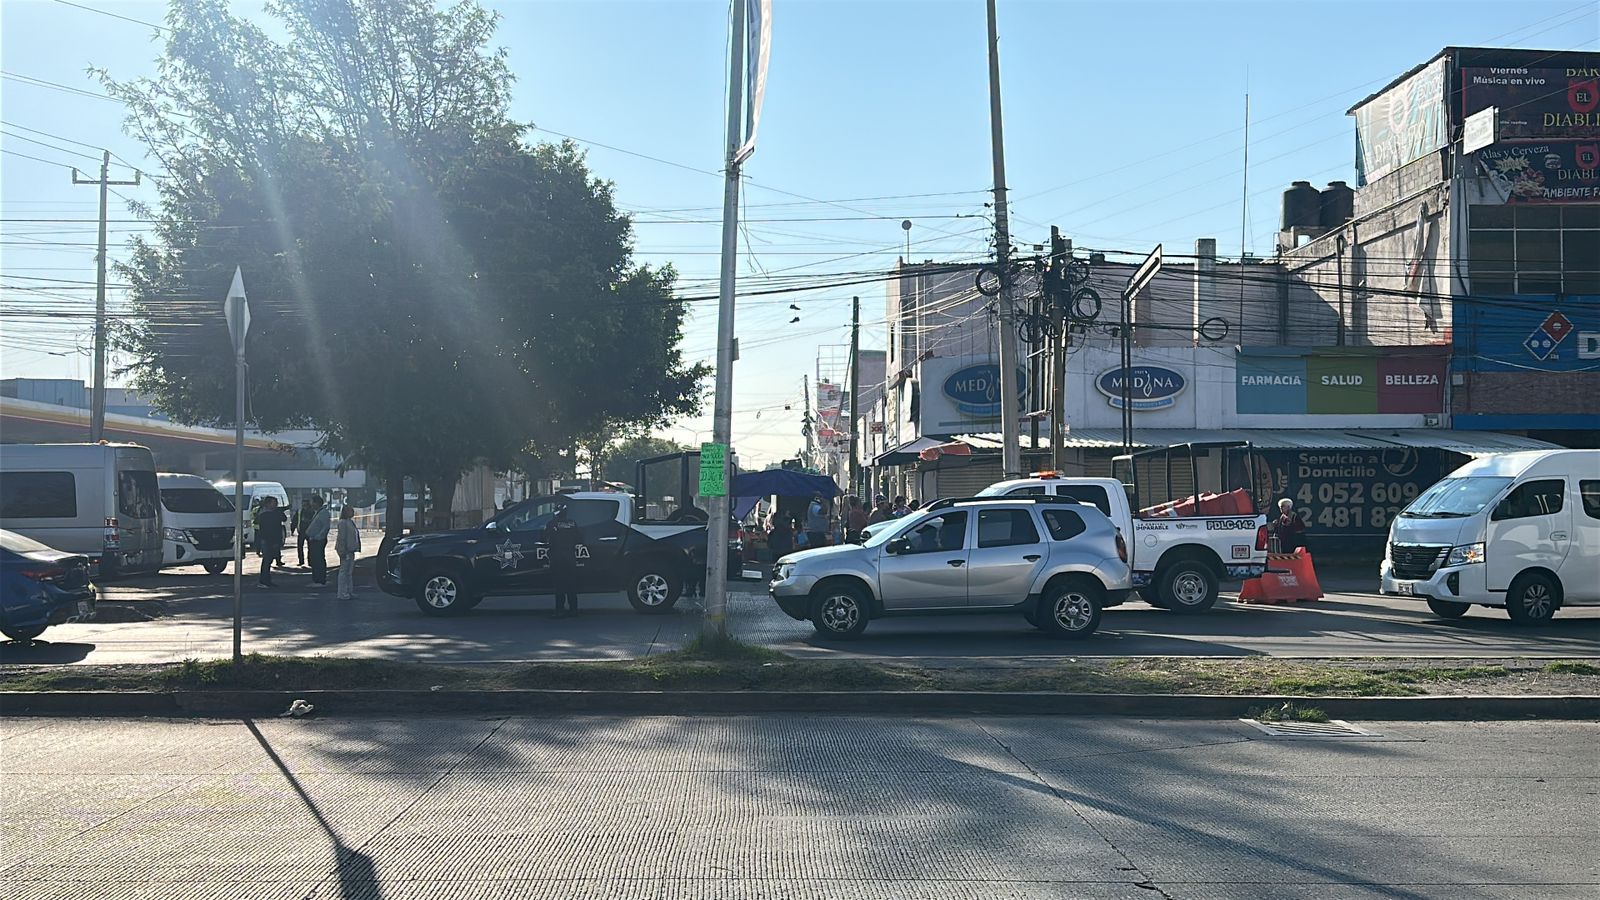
{"x":1336,"y":728}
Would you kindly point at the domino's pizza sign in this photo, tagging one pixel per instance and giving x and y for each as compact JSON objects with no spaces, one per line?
{"x":1548,"y":336}
{"x":1148,"y":387}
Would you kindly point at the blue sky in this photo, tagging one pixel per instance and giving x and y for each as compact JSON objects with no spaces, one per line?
{"x":1123,"y":125}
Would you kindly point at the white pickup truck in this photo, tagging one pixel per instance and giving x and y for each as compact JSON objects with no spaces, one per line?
{"x":1181,"y":550}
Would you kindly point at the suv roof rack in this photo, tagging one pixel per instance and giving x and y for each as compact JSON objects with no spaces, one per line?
{"x":948,"y":502}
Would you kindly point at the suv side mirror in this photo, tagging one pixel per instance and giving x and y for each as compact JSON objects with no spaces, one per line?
{"x":897,"y":546}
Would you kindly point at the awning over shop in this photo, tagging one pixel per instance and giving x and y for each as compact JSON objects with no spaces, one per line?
{"x":908,"y":452}
{"x":1469,"y":443}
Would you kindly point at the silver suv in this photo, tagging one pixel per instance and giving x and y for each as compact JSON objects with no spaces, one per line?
{"x":1055,"y":561}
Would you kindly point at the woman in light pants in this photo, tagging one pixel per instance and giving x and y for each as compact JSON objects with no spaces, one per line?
{"x":347,"y":545}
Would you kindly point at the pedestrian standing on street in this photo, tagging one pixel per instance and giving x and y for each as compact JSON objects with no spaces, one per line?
{"x":899,"y":508}
{"x":297,"y":524}
{"x":562,"y":540}
{"x":316,"y":533}
{"x":346,"y":546}
{"x":855,"y":520}
{"x":270,"y":524}
{"x":781,"y":539}
{"x":880,"y":510}
{"x":816,"y":523}
{"x":1290,"y":528}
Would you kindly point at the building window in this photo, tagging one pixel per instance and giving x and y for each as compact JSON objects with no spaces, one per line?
{"x":1534,"y":249}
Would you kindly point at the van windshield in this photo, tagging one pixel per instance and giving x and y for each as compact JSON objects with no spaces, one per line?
{"x":1455,"y":498}
{"x":195,"y":500}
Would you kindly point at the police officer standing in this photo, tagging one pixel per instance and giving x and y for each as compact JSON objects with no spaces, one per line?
{"x":563,"y":539}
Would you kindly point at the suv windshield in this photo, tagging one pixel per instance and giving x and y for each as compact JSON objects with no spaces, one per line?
{"x":195,"y":500}
{"x":1454,"y":498}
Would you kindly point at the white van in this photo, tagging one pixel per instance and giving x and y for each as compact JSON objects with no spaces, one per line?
{"x":99,"y":500}
{"x":1518,"y":530}
{"x":254,"y":492}
{"x":197,"y":523}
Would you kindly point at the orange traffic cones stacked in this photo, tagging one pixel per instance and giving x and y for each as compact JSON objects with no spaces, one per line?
{"x":1290,"y":578}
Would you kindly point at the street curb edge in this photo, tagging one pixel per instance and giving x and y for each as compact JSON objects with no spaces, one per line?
{"x":179,"y":704}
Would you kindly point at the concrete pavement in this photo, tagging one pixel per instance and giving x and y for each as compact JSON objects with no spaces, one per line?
{"x":185,"y":613}
{"x":793,"y":807}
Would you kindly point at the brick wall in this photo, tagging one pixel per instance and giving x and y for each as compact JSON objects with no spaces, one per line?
{"x":1526,"y":393}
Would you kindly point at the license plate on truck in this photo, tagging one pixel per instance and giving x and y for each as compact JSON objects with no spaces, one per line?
{"x":1405,"y":588}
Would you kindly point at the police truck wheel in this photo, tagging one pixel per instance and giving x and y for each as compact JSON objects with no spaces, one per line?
{"x":1445,"y":609}
{"x":215,"y":566}
{"x":443,"y":593}
{"x":655,"y":588}
{"x":1187,"y":586}
{"x":22,"y":634}
{"x":1533,"y":599}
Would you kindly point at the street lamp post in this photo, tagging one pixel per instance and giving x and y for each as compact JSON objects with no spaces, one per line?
{"x":237,"y":310}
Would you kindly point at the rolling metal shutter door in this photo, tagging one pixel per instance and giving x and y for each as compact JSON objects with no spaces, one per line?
{"x":967,"y":481}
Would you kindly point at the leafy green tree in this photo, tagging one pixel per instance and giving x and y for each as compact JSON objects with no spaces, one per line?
{"x":428,"y":289}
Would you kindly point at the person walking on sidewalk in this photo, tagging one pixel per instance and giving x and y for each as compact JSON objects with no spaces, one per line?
{"x":270,"y":523}
{"x":297,"y":524}
{"x":346,"y":546}
{"x":316,"y":533}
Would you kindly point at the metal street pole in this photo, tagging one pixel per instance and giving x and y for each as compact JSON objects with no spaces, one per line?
{"x":715,"y":623}
{"x":97,"y":407}
{"x":855,"y":392}
{"x":1010,"y":430}
{"x":237,"y":311}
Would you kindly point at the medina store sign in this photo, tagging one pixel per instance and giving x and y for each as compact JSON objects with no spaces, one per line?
{"x":1147,"y":387}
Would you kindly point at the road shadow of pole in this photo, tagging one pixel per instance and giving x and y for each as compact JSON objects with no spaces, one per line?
{"x":357,"y":876}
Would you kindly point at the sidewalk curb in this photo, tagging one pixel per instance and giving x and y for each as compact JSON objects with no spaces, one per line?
{"x":734,"y":703}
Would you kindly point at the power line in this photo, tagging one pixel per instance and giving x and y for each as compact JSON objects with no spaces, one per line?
{"x":114,"y":15}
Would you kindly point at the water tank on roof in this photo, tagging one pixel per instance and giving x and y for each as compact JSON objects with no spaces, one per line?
{"x":1338,"y":204}
{"x":1302,"y":206}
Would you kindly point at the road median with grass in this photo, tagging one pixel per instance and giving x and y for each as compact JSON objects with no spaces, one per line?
{"x":733,"y":677}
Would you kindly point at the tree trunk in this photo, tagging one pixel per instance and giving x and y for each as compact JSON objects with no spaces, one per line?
{"x":394,"y":517}
{"x":441,"y":496}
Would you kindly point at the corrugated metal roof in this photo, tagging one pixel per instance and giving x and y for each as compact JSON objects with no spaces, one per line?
{"x":1471,"y":443}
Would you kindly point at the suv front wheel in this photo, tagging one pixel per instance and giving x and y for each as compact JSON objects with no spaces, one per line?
{"x":1070,"y":609}
{"x":840,"y":610}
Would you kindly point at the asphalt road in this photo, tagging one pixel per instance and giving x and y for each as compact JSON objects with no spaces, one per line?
{"x":793,"y":807}
{"x":187,"y":614}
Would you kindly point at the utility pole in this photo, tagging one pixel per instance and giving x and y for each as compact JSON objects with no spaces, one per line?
{"x":720,"y":508}
{"x":97,"y":414}
{"x":1060,"y":252}
{"x":1010,"y":432}
{"x":809,"y":428}
{"x":855,"y":391}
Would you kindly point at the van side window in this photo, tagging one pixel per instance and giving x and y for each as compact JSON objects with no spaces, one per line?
{"x":1534,"y":498}
{"x":1064,"y":524}
{"x":38,"y":495}
{"x":1590,"y":491}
